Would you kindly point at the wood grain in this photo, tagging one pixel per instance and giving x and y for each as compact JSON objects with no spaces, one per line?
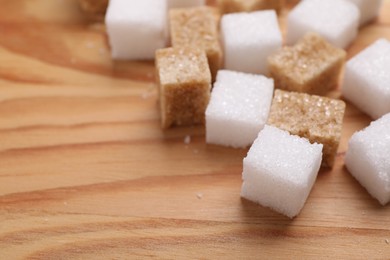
{"x":86,"y":171}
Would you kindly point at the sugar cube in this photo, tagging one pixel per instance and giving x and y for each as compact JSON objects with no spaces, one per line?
{"x":248,"y":39}
{"x":367,"y":79}
{"x":312,"y":65}
{"x":184,"y":80}
{"x":316,"y":118}
{"x":368,"y":158}
{"x":336,"y":20}
{"x":136,"y":29}
{"x":238,"y":108}
{"x":198,"y":27}
{"x":369,"y":9}
{"x":280,"y":170}
{"x":184,"y":3}
{"x":237,"y":6}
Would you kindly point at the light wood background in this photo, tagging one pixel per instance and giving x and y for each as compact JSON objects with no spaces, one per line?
{"x":86,"y":171}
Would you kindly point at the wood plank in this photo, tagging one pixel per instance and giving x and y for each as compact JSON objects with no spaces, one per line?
{"x":86,"y":171}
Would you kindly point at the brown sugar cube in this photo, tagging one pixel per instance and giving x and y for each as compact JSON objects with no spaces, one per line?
{"x":311,"y":66}
{"x":198,"y":27}
{"x":235,"y":6}
{"x":184,"y":80}
{"x":316,"y":118}
{"x":94,"y":6}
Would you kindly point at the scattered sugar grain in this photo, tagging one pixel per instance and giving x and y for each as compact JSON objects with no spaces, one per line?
{"x":90,"y":45}
{"x":150,"y":75}
{"x":146,"y":95}
{"x":187,"y":139}
{"x":102,"y":51}
{"x":149,"y":92}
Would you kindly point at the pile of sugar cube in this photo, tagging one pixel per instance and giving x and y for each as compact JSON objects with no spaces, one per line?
{"x":227,"y":67}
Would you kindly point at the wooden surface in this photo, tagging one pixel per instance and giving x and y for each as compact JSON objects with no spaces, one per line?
{"x":86,"y":171}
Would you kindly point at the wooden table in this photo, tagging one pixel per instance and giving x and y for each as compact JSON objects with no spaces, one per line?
{"x":86,"y":171}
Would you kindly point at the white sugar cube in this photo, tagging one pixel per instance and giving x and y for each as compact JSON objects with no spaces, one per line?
{"x":136,"y":29}
{"x":280,"y":170}
{"x":336,"y":20}
{"x":238,"y":108}
{"x":185,"y":3}
{"x":248,"y":39}
{"x":367,"y":79}
{"x":369,"y":9}
{"x":368,"y":158}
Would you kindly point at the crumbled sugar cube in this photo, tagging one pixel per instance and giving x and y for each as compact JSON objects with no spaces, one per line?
{"x":238,"y":108}
{"x":136,"y":29}
{"x":368,"y":158}
{"x":248,"y":39}
{"x":367,"y":79}
{"x":316,"y":118}
{"x":184,"y":80}
{"x":335,"y":20}
{"x":280,"y":170}
{"x":237,"y":6}
{"x":185,"y":3}
{"x":187,"y":139}
{"x":312,"y":66}
{"x":369,"y":9}
{"x":197,"y":27}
